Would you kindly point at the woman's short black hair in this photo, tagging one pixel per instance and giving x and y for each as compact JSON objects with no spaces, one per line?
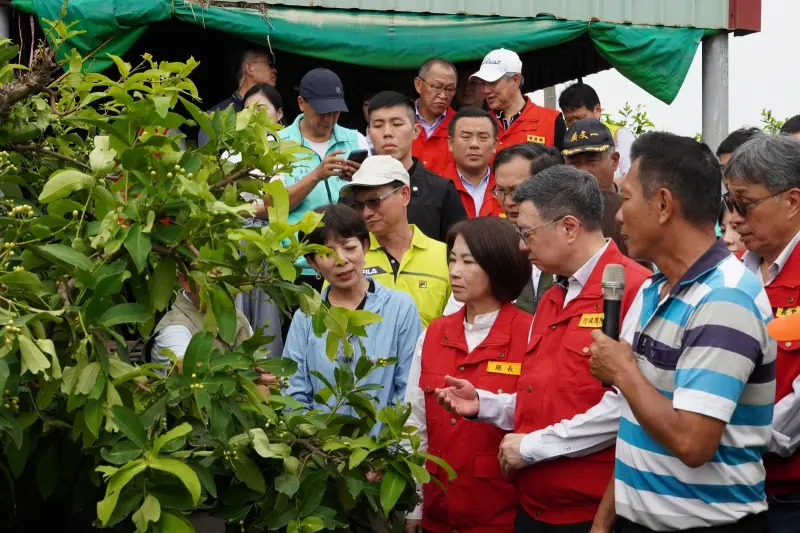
{"x":270,"y":92}
{"x":339,"y":222}
{"x":494,"y":243}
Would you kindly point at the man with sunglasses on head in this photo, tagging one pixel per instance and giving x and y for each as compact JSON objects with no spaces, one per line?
{"x":436,"y":86}
{"x":400,"y":256}
{"x":763,"y":181}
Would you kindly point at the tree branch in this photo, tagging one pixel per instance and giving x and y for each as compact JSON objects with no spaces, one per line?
{"x":54,"y":107}
{"x":233,"y":177}
{"x":42,"y":69}
{"x":22,"y":148}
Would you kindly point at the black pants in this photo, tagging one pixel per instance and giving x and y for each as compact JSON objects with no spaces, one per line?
{"x":287,"y":321}
{"x":749,"y":524}
{"x":524,"y":523}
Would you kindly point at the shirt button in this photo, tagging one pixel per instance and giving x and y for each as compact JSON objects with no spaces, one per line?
{"x":499,"y":391}
{"x":501,"y":356}
{"x":530,"y":389}
{"x":791,"y":299}
{"x":415,"y":189}
{"x":428,"y":388}
{"x":445,"y":337}
{"x":452,"y":421}
{"x":538,"y":513}
{"x":585,"y":350}
{"x":553,"y":326}
{"x":788,"y":344}
{"x":461,"y":369}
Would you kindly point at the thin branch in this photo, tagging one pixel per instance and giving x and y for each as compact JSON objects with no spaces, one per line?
{"x":310,"y":447}
{"x":63,"y":293}
{"x":42,"y":70}
{"x":54,"y":107}
{"x":233,"y":177}
{"x":22,"y":148}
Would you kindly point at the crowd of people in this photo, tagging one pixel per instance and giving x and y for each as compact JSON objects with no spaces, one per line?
{"x":481,"y":235}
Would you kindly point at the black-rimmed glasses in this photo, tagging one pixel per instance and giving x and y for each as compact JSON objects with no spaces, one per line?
{"x":732,"y":204}
{"x":372,"y":203}
{"x":523,"y":235}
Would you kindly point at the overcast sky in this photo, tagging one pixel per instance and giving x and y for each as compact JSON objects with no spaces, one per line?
{"x":763,"y":74}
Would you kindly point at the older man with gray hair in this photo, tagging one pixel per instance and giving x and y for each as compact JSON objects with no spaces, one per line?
{"x":564,"y":421}
{"x":763,"y":181}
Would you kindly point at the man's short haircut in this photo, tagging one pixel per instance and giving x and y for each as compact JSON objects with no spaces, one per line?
{"x":389,"y":99}
{"x":529,"y":151}
{"x":685,"y":167}
{"x":773,"y":162}
{"x":578,"y":95}
{"x":550,"y":158}
{"x":471,"y":112}
{"x":494,"y":244}
{"x":339,"y":222}
{"x":791,"y":126}
{"x":426,"y":66}
{"x":249,"y":54}
{"x":562,"y":190}
{"x":736,"y":139}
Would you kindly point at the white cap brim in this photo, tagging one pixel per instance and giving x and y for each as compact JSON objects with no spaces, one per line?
{"x":371,"y":184}
{"x":488,"y":75}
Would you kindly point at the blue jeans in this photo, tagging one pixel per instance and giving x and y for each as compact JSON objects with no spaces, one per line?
{"x":784,"y":513}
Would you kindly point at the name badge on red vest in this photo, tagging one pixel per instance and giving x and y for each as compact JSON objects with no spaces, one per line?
{"x":501,"y":367}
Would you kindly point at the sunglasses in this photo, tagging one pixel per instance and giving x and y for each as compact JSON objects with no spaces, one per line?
{"x":372,"y":203}
{"x":732,"y":204}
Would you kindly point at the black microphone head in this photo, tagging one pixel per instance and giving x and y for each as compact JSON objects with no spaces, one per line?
{"x":613,"y":283}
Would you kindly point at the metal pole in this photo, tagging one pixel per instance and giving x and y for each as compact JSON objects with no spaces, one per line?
{"x":550,"y":97}
{"x":715,"y":90}
{"x":5,"y":22}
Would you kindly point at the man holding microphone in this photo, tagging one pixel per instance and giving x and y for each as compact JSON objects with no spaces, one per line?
{"x":563,"y":419}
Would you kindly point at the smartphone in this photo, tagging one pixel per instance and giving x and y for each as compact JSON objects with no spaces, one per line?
{"x":358,"y":156}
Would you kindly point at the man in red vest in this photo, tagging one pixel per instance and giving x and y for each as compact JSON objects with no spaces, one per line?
{"x":472,"y":140}
{"x":763,"y":182}
{"x":436,"y":85}
{"x":521,"y":120}
{"x":565,"y":422}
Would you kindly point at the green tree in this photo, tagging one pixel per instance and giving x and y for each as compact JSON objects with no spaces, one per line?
{"x":102,"y":209}
{"x":635,"y":120}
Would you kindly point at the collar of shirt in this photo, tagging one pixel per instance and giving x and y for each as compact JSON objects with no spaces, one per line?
{"x":507,"y":122}
{"x":427,"y":126}
{"x":753,"y":261}
{"x":579,"y":278}
{"x":419,"y":240}
{"x":472,"y":188}
{"x":477,"y":332}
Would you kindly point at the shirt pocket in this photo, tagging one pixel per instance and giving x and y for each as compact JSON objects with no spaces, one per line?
{"x":573,"y":372}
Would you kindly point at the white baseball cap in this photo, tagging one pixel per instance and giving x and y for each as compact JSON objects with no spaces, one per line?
{"x":377,"y":171}
{"x":497,"y":64}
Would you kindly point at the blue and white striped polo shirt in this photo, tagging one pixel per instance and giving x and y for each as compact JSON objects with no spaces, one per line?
{"x":705,"y":346}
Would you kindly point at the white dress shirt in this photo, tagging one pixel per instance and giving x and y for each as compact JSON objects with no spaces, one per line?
{"x":786,"y":415}
{"x":474,"y":334}
{"x":623,"y":141}
{"x":476,"y":192}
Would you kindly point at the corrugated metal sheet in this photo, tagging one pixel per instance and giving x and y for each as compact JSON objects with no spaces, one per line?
{"x":712,"y":14}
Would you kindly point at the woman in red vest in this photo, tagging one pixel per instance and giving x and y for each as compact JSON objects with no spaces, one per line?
{"x":484,"y":341}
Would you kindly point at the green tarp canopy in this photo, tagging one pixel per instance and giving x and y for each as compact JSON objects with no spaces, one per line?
{"x":653,"y":57}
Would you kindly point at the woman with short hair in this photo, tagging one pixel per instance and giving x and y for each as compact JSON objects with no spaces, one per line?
{"x":485,"y":343}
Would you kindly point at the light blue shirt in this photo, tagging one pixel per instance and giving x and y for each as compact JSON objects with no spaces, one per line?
{"x":427,"y":126}
{"x":477,"y":192}
{"x":395,"y":336}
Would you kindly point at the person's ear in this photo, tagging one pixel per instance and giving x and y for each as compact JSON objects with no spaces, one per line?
{"x":598,"y":111}
{"x":572,"y":225}
{"x":666,"y":205}
{"x":418,"y":85}
{"x":417,"y":130}
{"x":301,"y":104}
{"x":450,"y":143}
{"x":615,"y":159}
{"x":279,"y":115}
{"x":793,"y":197}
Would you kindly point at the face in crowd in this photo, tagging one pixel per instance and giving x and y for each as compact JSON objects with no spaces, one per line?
{"x":574,"y":114}
{"x":437,"y":88}
{"x":384,"y":207}
{"x":501,"y":93}
{"x":729,"y":234}
{"x":601,"y":165}
{"x":473,"y":143}
{"x":547,"y":242}
{"x":259,"y":68}
{"x":343,"y":269}
{"x":262,"y":103}
{"x":320,"y":124}
{"x":392,"y":131}
{"x":507,"y":178}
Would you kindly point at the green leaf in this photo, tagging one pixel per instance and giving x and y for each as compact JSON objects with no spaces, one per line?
{"x":202,"y":120}
{"x":279,"y":366}
{"x":451,"y":474}
{"x":183,"y":472}
{"x":392,"y":488}
{"x":357,"y":457}
{"x":33,"y":359}
{"x":174,"y":433}
{"x":260,"y":441}
{"x":248,"y":473}
{"x":420,"y":473}
{"x":125,"y":314}
{"x":88,"y":378}
{"x":198,"y":351}
{"x":64,"y":182}
{"x":25,"y":281}
{"x":122,"y":477}
{"x":121,"y":453}
{"x":312,"y":524}
{"x":288,"y":484}
{"x":4,"y":373}
{"x":93,"y":417}
{"x":63,"y":255}
{"x":47,"y":472}
{"x":363,"y":367}
{"x":150,"y":511}
{"x":101,"y":159}
{"x":173,"y":522}
{"x":161,"y":105}
{"x":162,"y":283}
{"x":130,"y":425}
{"x":138,"y":245}
{"x":278,"y":209}
{"x":312,"y":490}
{"x":285,"y":267}
{"x":225,"y":313}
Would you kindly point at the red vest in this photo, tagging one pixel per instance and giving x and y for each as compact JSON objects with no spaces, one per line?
{"x":433,"y":152}
{"x":490,"y":207}
{"x":480,"y":499}
{"x":535,"y":124}
{"x":556,"y":385}
{"x":783,"y":475}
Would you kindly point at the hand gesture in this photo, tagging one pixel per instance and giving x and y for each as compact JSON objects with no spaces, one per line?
{"x":459,"y":397}
{"x":352,"y":168}
{"x":610,"y":359}
{"x":510,"y":456}
{"x":332,"y":165}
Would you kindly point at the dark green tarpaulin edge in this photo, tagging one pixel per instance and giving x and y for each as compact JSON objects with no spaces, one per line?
{"x":655,"y":58}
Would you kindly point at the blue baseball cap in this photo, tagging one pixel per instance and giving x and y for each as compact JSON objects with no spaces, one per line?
{"x":323,"y":90}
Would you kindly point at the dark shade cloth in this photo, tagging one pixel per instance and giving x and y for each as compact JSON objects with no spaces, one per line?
{"x":435,"y":205}
{"x":784,"y":513}
{"x":749,"y":524}
{"x":524,"y":523}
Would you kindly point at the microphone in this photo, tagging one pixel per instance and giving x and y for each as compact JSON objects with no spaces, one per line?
{"x":613,"y":286}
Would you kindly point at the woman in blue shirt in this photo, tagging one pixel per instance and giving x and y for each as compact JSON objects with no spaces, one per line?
{"x":345,"y":232}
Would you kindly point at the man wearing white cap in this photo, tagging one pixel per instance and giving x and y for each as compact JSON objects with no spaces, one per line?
{"x":520,"y":119}
{"x":400,"y":256}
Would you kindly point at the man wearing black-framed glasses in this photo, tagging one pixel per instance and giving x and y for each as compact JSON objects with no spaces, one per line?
{"x":436,"y":85}
{"x":763,"y":182}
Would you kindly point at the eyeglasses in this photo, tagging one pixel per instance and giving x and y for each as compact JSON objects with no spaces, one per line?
{"x":501,"y":194}
{"x":741,"y":207}
{"x":523,"y":235}
{"x":439,"y":89}
{"x":372,"y":203}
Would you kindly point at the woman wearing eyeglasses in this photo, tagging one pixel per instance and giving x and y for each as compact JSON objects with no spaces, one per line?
{"x":345,"y":233}
{"x":484,"y":343}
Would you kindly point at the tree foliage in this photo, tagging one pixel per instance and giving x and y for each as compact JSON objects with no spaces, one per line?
{"x":103,"y":209}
